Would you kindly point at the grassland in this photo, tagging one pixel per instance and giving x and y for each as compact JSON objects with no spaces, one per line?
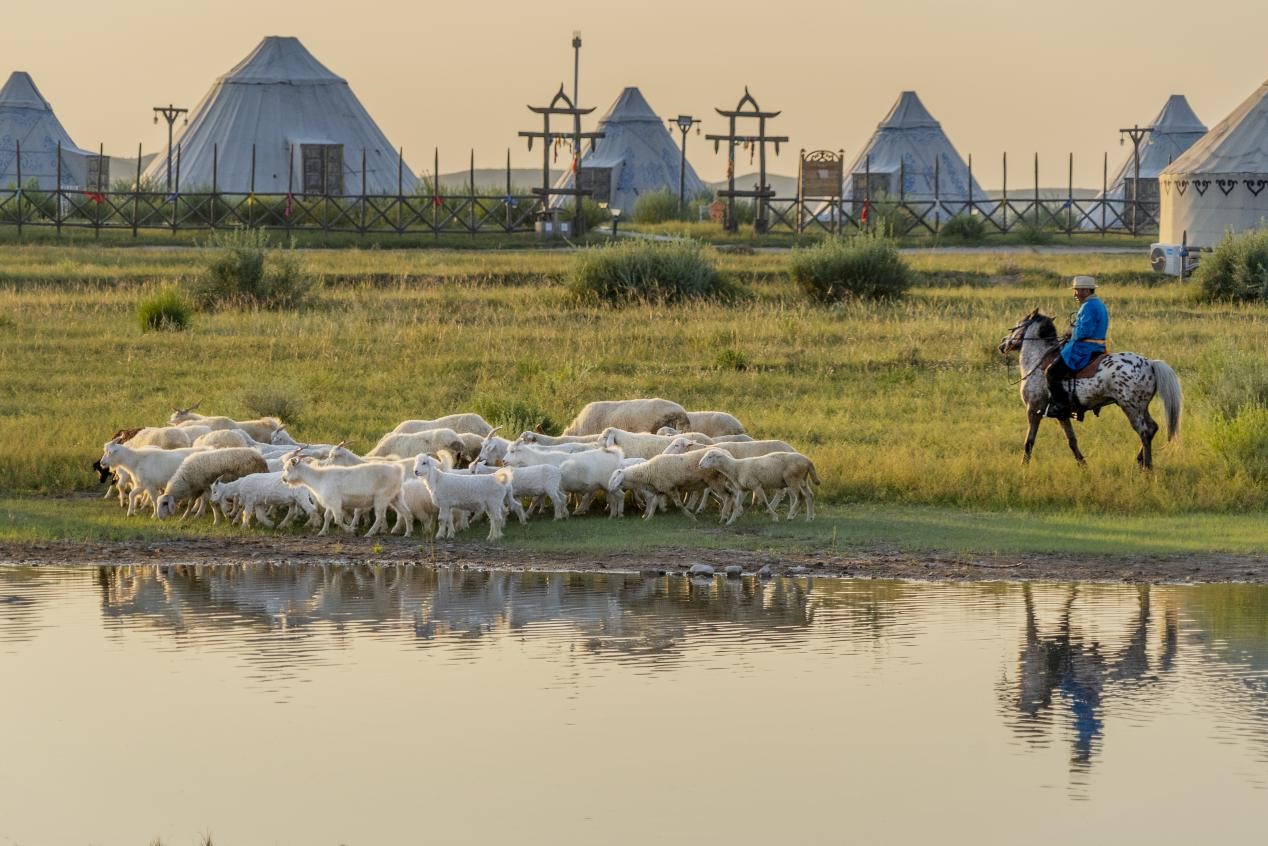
{"x":905,"y":407}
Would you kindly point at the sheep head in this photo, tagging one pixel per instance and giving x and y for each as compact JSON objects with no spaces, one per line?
{"x":678,"y":446}
{"x":166,"y":506}
{"x":616,"y":479}
{"x":711,"y":459}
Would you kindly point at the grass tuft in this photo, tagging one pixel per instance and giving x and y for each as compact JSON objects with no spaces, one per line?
{"x":1237,"y":270}
{"x":248,"y":271}
{"x":866,"y":267}
{"x":165,"y":310}
{"x":648,"y":272}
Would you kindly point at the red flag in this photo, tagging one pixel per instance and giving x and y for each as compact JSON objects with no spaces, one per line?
{"x":867,"y":205}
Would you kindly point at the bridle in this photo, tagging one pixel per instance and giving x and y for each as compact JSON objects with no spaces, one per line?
{"x":1022,"y":325}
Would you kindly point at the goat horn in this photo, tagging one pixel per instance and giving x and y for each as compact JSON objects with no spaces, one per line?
{"x":491,"y":431}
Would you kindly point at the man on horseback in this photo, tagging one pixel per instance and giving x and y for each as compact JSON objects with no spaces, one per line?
{"x":1086,"y":341}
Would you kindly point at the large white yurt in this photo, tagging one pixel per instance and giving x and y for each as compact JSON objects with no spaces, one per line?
{"x":910,"y":143}
{"x":1220,"y":184}
{"x":27,"y":120}
{"x":307,"y":129}
{"x":1175,"y":129}
{"x":636,"y":155}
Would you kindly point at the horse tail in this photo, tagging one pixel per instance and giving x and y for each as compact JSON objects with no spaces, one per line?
{"x":1172,"y":399}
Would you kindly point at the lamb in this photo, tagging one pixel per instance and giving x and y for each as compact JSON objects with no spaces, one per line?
{"x":781,"y":471}
{"x":375,"y":485}
{"x":256,"y":493}
{"x":224,"y":438}
{"x":538,"y":439}
{"x":196,"y":473}
{"x":641,"y":444}
{"x":637,"y":415}
{"x":540,"y":481}
{"x":150,"y":468}
{"x":473,"y":493}
{"x":410,"y":445}
{"x":493,"y":450}
{"x":419,"y":505}
{"x":260,"y":429}
{"x":586,"y":474}
{"x":466,"y":423}
{"x":739,"y":449}
{"x":670,"y":476}
{"x":715,"y":423}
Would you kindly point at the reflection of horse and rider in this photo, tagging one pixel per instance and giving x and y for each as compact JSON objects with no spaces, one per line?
{"x":1075,"y":672}
{"x":1069,"y":376}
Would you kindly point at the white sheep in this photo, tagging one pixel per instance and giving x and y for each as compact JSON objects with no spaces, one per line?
{"x":475,"y":493}
{"x":224,"y":438}
{"x":642,"y":444}
{"x":149,"y":467}
{"x":257,"y":493}
{"x":717,"y":439}
{"x":468,"y":422}
{"x":538,"y":439}
{"x":493,"y":450}
{"x":586,"y":474}
{"x":196,"y":473}
{"x":739,"y":449}
{"x":670,"y":476}
{"x":538,"y":482}
{"x":260,"y":429}
{"x":375,"y":485}
{"x":419,"y":505}
{"x":410,"y":445}
{"x":637,"y":415}
{"x":777,"y":471}
{"x":167,"y":437}
{"x":715,"y":423}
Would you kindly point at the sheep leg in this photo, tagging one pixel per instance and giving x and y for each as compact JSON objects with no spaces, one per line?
{"x":496,"y":522}
{"x":262,"y":515}
{"x":325,"y":524}
{"x":560,"y":504}
{"x":682,"y":506}
{"x":808,"y":493}
{"x":291,"y":513}
{"x":380,"y":518}
{"x":650,"y":501}
{"x":517,"y":509}
{"x":794,"y":500}
{"x":584,"y":505}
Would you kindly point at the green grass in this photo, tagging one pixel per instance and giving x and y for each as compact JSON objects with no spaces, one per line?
{"x":899,"y":404}
{"x":837,"y":529}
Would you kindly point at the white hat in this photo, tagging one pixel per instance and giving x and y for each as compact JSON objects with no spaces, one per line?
{"x":1084,"y":282}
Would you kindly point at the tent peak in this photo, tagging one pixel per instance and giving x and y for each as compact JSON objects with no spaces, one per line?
{"x":630,"y":105}
{"x":20,"y":93}
{"x":281,"y":59}
{"x":908,"y":113}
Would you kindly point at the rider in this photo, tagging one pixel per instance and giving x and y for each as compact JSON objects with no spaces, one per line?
{"x":1087,"y":338}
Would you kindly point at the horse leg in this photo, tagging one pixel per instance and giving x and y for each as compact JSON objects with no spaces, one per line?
{"x":1034,"y":417}
{"x":1068,"y":428}
{"x":1146,"y":428}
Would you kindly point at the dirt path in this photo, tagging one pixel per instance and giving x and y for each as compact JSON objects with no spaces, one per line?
{"x":870,"y":565}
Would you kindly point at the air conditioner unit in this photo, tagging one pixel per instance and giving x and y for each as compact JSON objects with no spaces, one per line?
{"x":1168,"y":258}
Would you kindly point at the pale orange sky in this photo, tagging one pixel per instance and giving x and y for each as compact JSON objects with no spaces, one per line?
{"x":1001,"y":75}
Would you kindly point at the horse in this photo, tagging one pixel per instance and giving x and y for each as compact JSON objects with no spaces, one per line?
{"x":1124,"y":379}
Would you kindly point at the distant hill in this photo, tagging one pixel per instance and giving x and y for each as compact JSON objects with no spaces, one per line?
{"x":785,"y":186}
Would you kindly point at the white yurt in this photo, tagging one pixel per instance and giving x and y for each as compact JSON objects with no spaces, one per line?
{"x":636,"y":155}
{"x":307,"y":128}
{"x":1175,"y":129}
{"x":1220,"y":184}
{"x":27,"y":120}
{"x":910,"y":142}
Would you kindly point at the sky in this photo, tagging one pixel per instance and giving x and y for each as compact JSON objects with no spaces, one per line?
{"x":1001,"y":75}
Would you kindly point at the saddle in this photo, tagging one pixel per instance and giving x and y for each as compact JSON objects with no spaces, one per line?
{"x":1077,"y":409}
{"x":1089,"y":369}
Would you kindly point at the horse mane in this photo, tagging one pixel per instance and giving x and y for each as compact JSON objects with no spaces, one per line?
{"x":1047,"y":329}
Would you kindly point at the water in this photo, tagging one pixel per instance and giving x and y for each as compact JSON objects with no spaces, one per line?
{"x":316,"y":705}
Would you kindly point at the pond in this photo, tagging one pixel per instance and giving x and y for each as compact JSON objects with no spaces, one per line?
{"x":360,"y":705}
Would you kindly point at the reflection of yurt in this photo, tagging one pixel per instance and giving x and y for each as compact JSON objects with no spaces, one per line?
{"x":1174,"y":130}
{"x":910,"y":143}
{"x":27,"y":119}
{"x":636,"y":155}
{"x":306,"y":127}
{"x":1221,"y":183}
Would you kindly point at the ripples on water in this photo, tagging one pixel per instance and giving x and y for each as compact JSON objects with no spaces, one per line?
{"x":855,"y":697}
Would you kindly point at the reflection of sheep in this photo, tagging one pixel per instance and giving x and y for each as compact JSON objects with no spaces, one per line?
{"x":670,"y":476}
{"x":777,"y":471}
{"x":196,"y":473}
{"x":469,"y":422}
{"x":223,"y":439}
{"x":637,"y":415}
{"x":715,"y":423}
{"x":410,"y":445}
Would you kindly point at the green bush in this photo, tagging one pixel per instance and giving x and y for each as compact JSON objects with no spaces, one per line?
{"x":165,"y":310}
{"x":1243,"y":441}
{"x":248,"y":271}
{"x":592,"y":214}
{"x":1237,"y":269}
{"x":1231,"y":379}
{"x":283,"y":401}
{"x":967,"y":228}
{"x":513,"y":416}
{"x":648,"y":271}
{"x":657,"y":207}
{"x":865,"y":266}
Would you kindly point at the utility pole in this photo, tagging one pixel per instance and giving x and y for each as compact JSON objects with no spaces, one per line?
{"x":170,"y":113}
{"x":1137,"y":134}
{"x":576,"y":65}
{"x":684,"y":122}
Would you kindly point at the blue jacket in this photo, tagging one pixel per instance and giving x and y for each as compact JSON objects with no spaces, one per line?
{"x":1091,"y":328}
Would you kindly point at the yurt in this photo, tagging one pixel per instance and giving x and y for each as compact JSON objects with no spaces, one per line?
{"x":1220,"y":184}
{"x":302,"y":124}
{"x":1175,"y":129}
{"x":27,"y":120}
{"x":636,"y":155}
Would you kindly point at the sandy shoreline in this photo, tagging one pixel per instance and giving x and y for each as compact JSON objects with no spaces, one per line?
{"x":1212,"y":567}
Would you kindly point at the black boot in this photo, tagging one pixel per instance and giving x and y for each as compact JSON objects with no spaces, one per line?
{"x":1057,"y":411}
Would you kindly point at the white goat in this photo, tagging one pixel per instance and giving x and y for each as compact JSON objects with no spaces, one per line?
{"x":538,"y":482}
{"x":257,"y":493}
{"x":409,"y":445}
{"x":538,"y":439}
{"x":336,"y":489}
{"x":644,"y":445}
{"x":149,"y":467}
{"x":473,"y":493}
{"x":468,"y":422}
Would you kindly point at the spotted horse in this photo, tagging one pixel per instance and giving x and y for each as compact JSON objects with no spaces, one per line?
{"x":1124,"y":379}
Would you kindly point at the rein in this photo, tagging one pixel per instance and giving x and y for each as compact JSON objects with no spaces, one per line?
{"x":1024,"y":325}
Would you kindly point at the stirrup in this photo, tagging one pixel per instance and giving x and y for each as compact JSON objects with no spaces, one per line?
{"x":1057,"y":412}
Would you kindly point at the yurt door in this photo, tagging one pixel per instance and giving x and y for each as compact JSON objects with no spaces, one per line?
{"x":323,"y":169}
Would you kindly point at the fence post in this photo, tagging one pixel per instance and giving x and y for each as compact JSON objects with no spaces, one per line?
{"x":290,"y":188}
{"x":937,"y":195}
{"x":363,"y":190}
{"x":970,"y":202}
{"x":215,"y":179}
{"x":18,"y":144}
{"x":1004,"y":198}
{"x":1069,"y":200}
{"x":176,"y":189}
{"x":867,"y":186}
{"x":251,"y":193}
{"x":98,"y":196}
{"x":1038,"y":218}
{"x":1104,"y":189}
{"x":474,"y":224}
{"x":136,"y":194}
{"x":400,"y":190}
{"x":57,"y":209}
{"x":435,"y":190}
{"x":507,"y":203}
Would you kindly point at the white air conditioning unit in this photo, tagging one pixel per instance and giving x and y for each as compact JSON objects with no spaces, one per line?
{"x":1168,"y":258}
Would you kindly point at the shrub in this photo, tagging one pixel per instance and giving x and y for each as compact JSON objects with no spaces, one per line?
{"x":1237,"y":269}
{"x":648,"y":271}
{"x":283,"y":401}
{"x":592,"y":214}
{"x":656,"y":207}
{"x":513,"y":416}
{"x":1243,"y":441}
{"x":733,"y":358}
{"x":1232,"y":379}
{"x":247,"y":271}
{"x":864,"y":266}
{"x":964,"y":227}
{"x":165,"y":310}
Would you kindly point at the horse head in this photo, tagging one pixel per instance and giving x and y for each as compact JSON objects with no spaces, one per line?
{"x":1033,"y":326}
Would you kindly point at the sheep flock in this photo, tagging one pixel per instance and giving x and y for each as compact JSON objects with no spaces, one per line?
{"x":450,"y":472}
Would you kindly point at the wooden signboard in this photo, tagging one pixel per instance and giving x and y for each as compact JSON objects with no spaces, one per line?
{"x":821,"y":174}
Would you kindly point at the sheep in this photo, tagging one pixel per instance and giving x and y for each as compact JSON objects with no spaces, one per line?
{"x":717,"y":439}
{"x":540,"y":481}
{"x":376,"y":485}
{"x":150,"y":468}
{"x":616,"y":501}
{"x":669,"y":476}
{"x":402,"y":446}
{"x":586,"y":474}
{"x":641,"y":444}
{"x":258,"y":492}
{"x":637,"y":415}
{"x":260,"y":429}
{"x":715,"y":423}
{"x":224,"y":438}
{"x":419,"y":505}
{"x":167,"y":437}
{"x":199,"y":470}
{"x":474,"y":493}
{"x":471,"y":446}
{"x":466,"y":423}
{"x":781,"y":471}
{"x":538,"y":439}
{"x":739,"y":449}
